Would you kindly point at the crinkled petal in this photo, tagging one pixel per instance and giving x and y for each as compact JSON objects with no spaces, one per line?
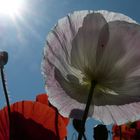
{"x":59,"y":41}
{"x":57,"y":95}
{"x":112,"y":114}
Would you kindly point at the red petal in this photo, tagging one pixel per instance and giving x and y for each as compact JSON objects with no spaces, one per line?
{"x":42,"y":98}
{"x":32,"y":120}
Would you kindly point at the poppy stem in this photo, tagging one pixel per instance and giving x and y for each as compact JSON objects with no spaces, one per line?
{"x":93,"y":84}
{"x":7,"y":99}
{"x":56,"y":124}
{"x":120,"y":129}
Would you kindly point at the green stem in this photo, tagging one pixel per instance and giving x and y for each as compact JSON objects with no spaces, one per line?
{"x":93,"y":84}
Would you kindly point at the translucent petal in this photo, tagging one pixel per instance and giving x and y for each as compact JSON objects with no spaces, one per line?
{"x":59,"y":41}
{"x":83,"y":53}
{"x":72,"y":87}
{"x":120,"y":59}
{"x":121,"y":114}
{"x":101,"y":99}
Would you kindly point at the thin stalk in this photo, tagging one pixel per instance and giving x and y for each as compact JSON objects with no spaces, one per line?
{"x":84,"y":137}
{"x":93,"y":84}
{"x":56,"y":124}
{"x":120,"y":129}
{"x":7,"y":100}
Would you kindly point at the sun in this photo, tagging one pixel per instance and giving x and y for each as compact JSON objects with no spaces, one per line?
{"x":10,"y":7}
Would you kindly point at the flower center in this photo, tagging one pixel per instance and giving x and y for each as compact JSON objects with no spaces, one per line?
{"x":87,"y":82}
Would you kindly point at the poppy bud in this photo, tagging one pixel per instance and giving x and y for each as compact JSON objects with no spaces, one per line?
{"x":3,"y":58}
{"x":100,"y":132}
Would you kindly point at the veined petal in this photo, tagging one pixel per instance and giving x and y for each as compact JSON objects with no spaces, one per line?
{"x":83,"y":53}
{"x":101,"y":98}
{"x":72,"y":87}
{"x":58,"y":44}
{"x":130,"y":87}
{"x":121,"y":55}
{"x":102,"y":43}
{"x":118,"y":114}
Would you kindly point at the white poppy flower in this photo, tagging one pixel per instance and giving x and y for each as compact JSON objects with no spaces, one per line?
{"x":101,"y":46}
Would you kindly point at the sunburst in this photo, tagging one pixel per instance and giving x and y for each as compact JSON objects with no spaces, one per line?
{"x":11,"y":8}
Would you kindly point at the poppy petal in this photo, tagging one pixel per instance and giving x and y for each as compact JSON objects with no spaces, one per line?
{"x":122,"y":47}
{"x":42,"y":98}
{"x":85,"y":43}
{"x":36,"y":114}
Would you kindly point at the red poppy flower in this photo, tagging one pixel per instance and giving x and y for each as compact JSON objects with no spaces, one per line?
{"x":126,"y":132}
{"x":43,"y":98}
{"x":33,"y":120}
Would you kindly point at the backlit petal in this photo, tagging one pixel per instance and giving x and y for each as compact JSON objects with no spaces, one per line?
{"x":84,"y":45}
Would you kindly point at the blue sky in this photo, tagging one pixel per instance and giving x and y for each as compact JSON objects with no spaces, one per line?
{"x":24,"y":39}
